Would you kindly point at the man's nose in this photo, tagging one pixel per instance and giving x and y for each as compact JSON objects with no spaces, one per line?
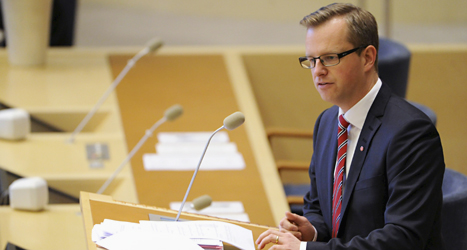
{"x":319,"y":68}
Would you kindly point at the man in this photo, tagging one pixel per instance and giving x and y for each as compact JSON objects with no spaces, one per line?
{"x":382,"y":188}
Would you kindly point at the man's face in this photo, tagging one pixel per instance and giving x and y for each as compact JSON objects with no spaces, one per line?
{"x":342,"y":84}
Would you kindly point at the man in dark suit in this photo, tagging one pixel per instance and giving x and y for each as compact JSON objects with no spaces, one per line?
{"x":382,"y":188}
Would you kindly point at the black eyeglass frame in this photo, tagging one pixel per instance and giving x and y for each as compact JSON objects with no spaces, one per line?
{"x":339,"y":56}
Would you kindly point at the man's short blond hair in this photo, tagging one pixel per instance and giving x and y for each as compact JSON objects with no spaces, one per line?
{"x":362,"y":26}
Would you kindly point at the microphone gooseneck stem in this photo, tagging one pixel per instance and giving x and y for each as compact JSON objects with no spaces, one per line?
{"x":195,"y":173}
{"x":106,"y":94}
{"x":148,"y":134}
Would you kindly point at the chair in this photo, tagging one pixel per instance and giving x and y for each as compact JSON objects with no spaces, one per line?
{"x":454,"y":212}
{"x":393,"y":65}
{"x":293,"y":192}
{"x":393,"y":69}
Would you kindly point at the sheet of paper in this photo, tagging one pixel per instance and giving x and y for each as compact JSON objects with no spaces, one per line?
{"x":195,"y":147}
{"x":216,"y":207}
{"x":136,"y":239}
{"x":185,"y":162}
{"x":108,"y":228}
{"x":232,"y":210}
{"x":237,"y":217}
{"x":203,"y":137}
{"x":235,"y":235}
{"x":111,"y":227}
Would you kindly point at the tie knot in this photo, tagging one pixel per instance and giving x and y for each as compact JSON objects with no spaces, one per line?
{"x":343,"y":123}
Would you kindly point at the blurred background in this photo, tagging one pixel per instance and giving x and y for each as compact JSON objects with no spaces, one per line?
{"x":434,"y":31}
{"x":257,"y":22}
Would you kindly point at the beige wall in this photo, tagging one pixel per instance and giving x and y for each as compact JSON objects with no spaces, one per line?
{"x":403,"y":11}
{"x":438,"y":79}
{"x":258,"y":22}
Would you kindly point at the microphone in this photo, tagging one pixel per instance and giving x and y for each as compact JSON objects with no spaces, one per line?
{"x":170,"y":114}
{"x":234,"y":120}
{"x":151,"y":46}
{"x":201,"y":202}
{"x":15,"y":124}
{"x":173,"y":112}
{"x":231,"y":122}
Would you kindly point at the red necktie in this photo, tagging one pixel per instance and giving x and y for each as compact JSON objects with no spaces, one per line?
{"x":339,"y":174}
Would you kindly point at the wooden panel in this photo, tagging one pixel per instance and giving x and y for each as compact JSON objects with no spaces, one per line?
{"x":286,"y":98}
{"x":55,"y":228}
{"x":438,"y":80}
{"x":199,"y":83}
{"x":61,"y":93}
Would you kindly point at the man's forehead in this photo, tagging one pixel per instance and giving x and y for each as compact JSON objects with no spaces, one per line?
{"x":334,"y":28}
{"x":325,"y":38}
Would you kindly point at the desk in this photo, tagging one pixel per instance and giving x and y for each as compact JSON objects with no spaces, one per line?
{"x":61,"y":93}
{"x":57,"y":227}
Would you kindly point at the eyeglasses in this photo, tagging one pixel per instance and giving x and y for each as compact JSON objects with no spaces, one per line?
{"x":331,"y":59}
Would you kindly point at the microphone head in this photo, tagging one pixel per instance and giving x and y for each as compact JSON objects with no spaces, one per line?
{"x":173,"y":112}
{"x":154,"y":44}
{"x":202,"y":202}
{"x":234,"y":120}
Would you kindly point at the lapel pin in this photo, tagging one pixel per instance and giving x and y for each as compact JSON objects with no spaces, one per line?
{"x":361,"y":148}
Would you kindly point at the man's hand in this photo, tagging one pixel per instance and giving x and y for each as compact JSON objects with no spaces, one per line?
{"x":282,"y":240}
{"x":298,"y":226}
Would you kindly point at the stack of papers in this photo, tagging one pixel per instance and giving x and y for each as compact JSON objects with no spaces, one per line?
{"x":182,"y":151}
{"x":116,"y":235}
{"x":147,"y":240}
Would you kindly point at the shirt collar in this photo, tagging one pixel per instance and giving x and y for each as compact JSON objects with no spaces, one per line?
{"x":357,"y":114}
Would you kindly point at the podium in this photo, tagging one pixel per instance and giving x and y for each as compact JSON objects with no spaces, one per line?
{"x":95,"y":208}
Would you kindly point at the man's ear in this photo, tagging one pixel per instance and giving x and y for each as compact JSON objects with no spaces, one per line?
{"x":369,"y":56}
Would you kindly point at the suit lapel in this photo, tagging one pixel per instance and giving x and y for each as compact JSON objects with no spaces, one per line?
{"x":326,"y":138}
{"x":372,"y":123}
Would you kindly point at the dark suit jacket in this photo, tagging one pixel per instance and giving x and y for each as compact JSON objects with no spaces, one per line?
{"x":392,"y":197}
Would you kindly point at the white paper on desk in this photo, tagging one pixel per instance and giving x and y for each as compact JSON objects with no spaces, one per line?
{"x":186,"y":162}
{"x":203,"y":137}
{"x":232,"y":210}
{"x":216,"y":207}
{"x":110,"y":227}
{"x":195,"y":147}
{"x":235,"y":235}
{"x":135,"y":239}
